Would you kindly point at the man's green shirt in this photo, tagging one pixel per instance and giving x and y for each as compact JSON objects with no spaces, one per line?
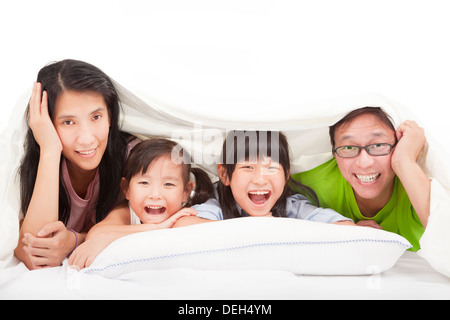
{"x":334,"y":192}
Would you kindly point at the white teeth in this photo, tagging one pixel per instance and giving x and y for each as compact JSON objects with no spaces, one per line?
{"x":155,"y":209}
{"x":86,"y":152}
{"x":260,"y":193}
{"x":368,"y":177}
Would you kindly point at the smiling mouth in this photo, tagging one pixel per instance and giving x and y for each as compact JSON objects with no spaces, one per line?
{"x":87,"y":152}
{"x":155,"y":209}
{"x":367,"y":178}
{"x":259,"y":197}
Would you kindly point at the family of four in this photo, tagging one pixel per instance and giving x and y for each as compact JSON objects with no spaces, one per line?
{"x":85,"y":183}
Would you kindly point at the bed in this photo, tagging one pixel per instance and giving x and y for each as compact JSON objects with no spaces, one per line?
{"x":411,"y":278}
{"x":408,"y":275}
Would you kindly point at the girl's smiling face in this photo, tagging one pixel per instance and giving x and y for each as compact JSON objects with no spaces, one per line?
{"x":158,"y":193}
{"x":82,"y":123}
{"x":256,"y":186}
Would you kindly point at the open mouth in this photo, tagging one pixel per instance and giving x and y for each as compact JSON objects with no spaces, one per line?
{"x":155,"y":209}
{"x":259,"y":197}
{"x":367,"y":178}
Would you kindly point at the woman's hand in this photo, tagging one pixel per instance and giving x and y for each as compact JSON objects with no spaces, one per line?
{"x":40,"y":123}
{"x":50,"y":247}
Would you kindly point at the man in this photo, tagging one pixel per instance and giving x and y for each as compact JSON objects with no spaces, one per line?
{"x":374,"y":177}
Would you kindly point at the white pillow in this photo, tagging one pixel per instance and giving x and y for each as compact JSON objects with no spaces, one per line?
{"x":298,"y":246}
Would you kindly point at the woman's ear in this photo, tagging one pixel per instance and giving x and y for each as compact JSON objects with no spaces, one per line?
{"x":223,"y":174}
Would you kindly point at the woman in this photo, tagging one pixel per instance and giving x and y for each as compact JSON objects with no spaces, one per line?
{"x":74,"y":153}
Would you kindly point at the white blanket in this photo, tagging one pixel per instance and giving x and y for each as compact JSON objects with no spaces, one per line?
{"x":305,"y":124}
{"x":410,"y":278}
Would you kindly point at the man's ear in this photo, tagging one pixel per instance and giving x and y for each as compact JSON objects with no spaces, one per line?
{"x":223,"y":174}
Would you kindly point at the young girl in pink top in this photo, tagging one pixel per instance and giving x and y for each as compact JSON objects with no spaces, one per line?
{"x":74,"y":153}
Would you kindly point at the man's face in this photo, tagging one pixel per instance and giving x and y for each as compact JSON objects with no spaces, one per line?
{"x":371,"y":177}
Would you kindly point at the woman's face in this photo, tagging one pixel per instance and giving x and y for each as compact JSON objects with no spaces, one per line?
{"x":371,"y":177}
{"x":82,"y":123}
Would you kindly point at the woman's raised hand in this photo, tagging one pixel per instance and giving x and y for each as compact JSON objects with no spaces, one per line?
{"x":40,"y":123}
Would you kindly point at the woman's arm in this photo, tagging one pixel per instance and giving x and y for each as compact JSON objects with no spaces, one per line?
{"x":411,"y":140}
{"x":43,"y":206}
{"x":51,"y":245}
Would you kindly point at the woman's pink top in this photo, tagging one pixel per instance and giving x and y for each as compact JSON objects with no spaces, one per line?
{"x":82,"y":211}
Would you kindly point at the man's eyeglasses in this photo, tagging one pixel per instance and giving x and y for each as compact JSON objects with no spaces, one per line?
{"x":376,"y":149}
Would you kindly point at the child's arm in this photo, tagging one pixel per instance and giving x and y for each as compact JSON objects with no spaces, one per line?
{"x":345,"y":223}
{"x":117,"y":223}
{"x":411,"y":140}
{"x":113,"y":227}
{"x":369,"y":223}
{"x":189,"y":221}
{"x":97,"y":240}
{"x":206,"y":212}
{"x":299,"y":207}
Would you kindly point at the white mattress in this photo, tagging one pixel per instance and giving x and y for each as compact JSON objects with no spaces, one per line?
{"x":411,"y":278}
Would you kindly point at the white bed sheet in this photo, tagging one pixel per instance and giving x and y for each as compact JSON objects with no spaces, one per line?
{"x":411,"y":278}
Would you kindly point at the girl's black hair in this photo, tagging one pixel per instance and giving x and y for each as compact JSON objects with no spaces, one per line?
{"x":78,"y":76}
{"x":251,"y":145}
{"x":144,"y":153}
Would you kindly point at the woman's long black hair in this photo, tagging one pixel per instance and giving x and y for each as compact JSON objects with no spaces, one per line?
{"x":78,"y":76}
{"x":245,"y":145}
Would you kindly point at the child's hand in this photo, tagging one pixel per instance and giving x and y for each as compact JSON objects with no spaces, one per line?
{"x":369,"y":223}
{"x":85,"y":254}
{"x":40,"y":123}
{"x":185,"y":212}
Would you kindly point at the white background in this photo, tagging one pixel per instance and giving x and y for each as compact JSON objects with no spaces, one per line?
{"x":278,"y":51}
